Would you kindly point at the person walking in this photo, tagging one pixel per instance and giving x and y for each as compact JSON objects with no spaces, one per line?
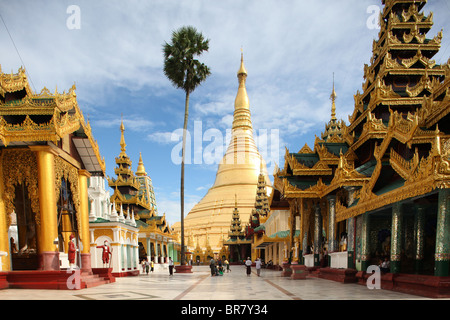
{"x":227,"y":264}
{"x":212,"y":265}
{"x":170,"y":266}
{"x":152,"y":266}
{"x":248,"y":264}
{"x":143,"y":265}
{"x":258,"y":266}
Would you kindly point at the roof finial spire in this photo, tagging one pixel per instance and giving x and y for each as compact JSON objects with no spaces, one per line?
{"x":141,"y":169}
{"x":122,"y":138}
{"x":242,"y":70}
{"x":333,"y":102}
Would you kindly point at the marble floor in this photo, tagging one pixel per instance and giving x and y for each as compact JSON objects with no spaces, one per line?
{"x":199,"y":285}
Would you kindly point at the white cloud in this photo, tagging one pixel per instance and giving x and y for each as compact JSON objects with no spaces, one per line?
{"x":161,"y":137}
{"x":133,"y":123}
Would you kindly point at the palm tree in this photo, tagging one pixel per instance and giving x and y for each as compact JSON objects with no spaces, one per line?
{"x":185,"y":72}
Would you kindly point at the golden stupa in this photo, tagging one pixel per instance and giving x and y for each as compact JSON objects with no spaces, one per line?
{"x":209,"y":220}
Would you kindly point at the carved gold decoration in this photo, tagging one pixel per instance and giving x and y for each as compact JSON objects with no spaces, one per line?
{"x":65,"y":170}
{"x":20,"y":167}
{"x":66,"y":114}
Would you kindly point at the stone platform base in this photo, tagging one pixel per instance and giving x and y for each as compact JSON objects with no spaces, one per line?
{"x":287,"y":271}
{"x":3,"y":281}
{"x":299,"y":272}
{"x":422,"y":285}
{"x":125,"y":273}
{"x":339,"y":275}
{"x":105,"y":273}
{"x":183,"y":269}
{"x":57,"y":280}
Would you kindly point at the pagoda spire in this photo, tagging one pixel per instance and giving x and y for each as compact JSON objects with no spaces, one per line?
{"x":141,"y":169}
{"x":333,"y":97}
{"x":122,"y":140}
{"x":241,"y":118}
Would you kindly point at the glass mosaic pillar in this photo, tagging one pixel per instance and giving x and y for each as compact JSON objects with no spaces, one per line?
{"x":442,"y":253}
{"x":396,"y":236}
{"x":365,"y":241}
{"x":331,"y":224}
{"x":317,"y":234}
{"x":351,"y":242}
{"x":351,"y":234}
{"x":419,"y":223}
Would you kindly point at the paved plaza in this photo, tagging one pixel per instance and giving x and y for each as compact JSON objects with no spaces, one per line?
{"x":199,"y":285}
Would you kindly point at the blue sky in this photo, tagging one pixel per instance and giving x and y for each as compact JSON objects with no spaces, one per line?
{"x":114,"y":56}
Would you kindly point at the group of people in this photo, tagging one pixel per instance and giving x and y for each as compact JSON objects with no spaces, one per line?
{"x":217,"y":267}
{"x":248,"y":264}
{"x":147,"y":266}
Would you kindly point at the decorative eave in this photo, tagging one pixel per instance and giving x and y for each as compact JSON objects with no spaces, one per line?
{"x":119,"y":198}
{"x":121,"y":182}
{"x":14,"y":82}
{"x":291,"y":191}
{"x":389,"y":4}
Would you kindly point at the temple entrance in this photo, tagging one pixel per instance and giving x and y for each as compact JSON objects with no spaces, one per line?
{"x":22,"y":232}
{"x":142,"y":252}
{"x":67,"y":224}
{"x":417,"y":238}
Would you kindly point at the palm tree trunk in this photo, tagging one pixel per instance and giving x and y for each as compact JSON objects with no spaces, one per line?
{"x":186,"y":114}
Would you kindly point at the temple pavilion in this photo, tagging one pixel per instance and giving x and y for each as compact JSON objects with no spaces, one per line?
{"x":133,"y":203}
{"x":47,"y":155}
{"x":378,"y":188}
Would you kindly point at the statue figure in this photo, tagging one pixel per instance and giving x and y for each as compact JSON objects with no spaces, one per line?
{"x":105,"y":254}
{"x":72,"y":252}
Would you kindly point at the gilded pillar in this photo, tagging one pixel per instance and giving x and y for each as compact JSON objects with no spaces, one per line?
{"x":4,"y":241}
{"x":317,"y":234}
{"x":396,"y":237}
{"x":442,"y":252}
{"x":365,"y":241}
{"x":419,"y":223}
{"x":83,"y":176}
{"x":48,"y":229}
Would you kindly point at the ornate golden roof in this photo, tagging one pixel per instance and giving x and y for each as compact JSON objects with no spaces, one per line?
{"x":27,"y":117}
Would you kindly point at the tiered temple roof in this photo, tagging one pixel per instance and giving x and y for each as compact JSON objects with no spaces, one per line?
{"x":134,"y":193}
{"x":29,"y":118}
{"x":236,"y":235}
{"x":397,"y":144}
{"x":261,"y":210}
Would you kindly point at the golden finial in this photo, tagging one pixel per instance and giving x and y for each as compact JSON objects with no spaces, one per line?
{"x":242,"y":69}
{"x":122,"y":138}
{"x":141,"y":169}
{"x":333,"y":102}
